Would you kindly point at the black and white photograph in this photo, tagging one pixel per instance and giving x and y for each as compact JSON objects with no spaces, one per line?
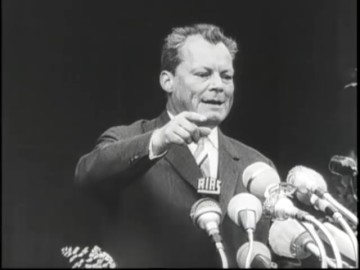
{"x":179,"y":134}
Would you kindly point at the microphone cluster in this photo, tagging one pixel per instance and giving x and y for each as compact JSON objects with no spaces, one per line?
{"x":294,"y":233}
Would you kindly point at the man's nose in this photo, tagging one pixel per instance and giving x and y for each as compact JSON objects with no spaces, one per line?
{"x":216,"y":83}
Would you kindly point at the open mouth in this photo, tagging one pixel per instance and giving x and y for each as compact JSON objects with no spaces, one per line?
{"x":213,"y":102}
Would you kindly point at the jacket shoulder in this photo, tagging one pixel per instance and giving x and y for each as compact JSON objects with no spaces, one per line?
{"x":248,"y":152}
{"x":123,"y":132}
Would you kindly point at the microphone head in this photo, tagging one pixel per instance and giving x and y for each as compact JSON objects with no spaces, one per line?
{"x":288,"y":238}
{"x":244,"y":203}
{"x":204,"y":212}
{"x":259,"y":249}
{"x":306,"y":181}
{"x":258,"y":176}
{"x":341,"y":165}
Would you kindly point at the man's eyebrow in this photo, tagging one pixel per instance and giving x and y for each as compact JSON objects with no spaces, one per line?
{"x":200,"y":67}
{"x":228,"y":71}
{"x":209,"y":69}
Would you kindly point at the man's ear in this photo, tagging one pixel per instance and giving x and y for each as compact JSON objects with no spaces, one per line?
{"x":166,"y":81}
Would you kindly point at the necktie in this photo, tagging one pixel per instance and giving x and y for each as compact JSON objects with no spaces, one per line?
{"x":202,"y":158}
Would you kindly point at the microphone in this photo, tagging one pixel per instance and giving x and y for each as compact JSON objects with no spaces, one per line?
{"x":292,"y":240}
{"x":278,"y":206}
{"x":260,"y":258}
{"x":258,"y":176}
{"x":344,"y":166}
{"x":206,"y":215}
{"x":311,"y":189}
{"x":245,"y":209}
{"x":289,"y":239}
{"x":306,"y":181}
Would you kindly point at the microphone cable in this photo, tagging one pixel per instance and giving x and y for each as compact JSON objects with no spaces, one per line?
{"x":321,"y":248}
{"x":251,"y":247}
{"x":348,"y":214}
{"x":330,"y":261}
{"x":332,"y":242}
{"x":351,"y":235}
{"x":221,"y":250}
{"x":330,"y":210}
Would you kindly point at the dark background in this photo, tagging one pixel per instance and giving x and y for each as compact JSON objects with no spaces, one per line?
{"x":71,"y":69}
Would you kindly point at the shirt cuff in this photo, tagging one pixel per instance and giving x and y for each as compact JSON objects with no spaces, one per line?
{"x":151,"y":152}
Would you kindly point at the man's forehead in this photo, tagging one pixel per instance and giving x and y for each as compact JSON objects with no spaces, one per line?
{"x":197,"y":44}
{"x":196,"y":47}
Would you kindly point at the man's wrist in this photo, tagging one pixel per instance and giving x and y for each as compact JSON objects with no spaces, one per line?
{"x":155,"y":150}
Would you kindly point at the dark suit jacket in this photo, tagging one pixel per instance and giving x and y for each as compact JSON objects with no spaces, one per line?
{"x":148,"y":202}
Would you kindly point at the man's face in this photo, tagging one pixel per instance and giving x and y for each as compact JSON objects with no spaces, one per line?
{"x":203,"y":81}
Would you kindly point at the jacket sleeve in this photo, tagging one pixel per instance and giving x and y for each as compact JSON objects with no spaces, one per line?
{"x":121,"y":154}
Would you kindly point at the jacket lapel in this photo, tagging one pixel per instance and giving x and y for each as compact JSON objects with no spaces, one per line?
{"x":184,"y":163}
{"x":228,"y":171}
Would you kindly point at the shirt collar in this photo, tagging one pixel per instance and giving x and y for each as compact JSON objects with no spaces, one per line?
{"x":213,"y":136}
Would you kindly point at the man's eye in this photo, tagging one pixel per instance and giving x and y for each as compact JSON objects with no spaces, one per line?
{"x":202,"y":74}
{"x":228,"y":77}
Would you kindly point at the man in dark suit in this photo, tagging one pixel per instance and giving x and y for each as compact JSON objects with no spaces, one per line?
{"x":148,"y":172}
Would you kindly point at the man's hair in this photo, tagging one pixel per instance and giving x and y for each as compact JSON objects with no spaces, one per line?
{"x":170,"y":57}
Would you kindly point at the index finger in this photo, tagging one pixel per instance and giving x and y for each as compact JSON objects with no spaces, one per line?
{"x":194,"y":117}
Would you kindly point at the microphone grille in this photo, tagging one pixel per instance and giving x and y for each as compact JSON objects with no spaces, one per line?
{"x":244,"y":201}
{"x":306,"y":181}
{"x":306,"y":178}
{"x":204,"y":205}
{"x":258,"y":176}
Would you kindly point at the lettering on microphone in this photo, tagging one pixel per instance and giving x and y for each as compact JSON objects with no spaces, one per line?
{"x":209,"y":185}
